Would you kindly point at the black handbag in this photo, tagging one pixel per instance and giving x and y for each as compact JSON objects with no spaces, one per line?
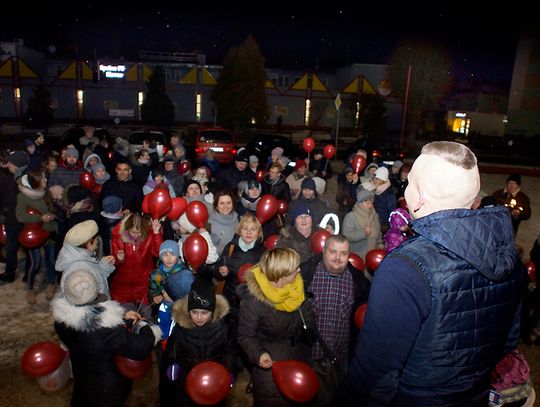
{"x":328,"y":370}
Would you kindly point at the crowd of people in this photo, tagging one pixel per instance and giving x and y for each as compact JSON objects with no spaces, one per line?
{"x":119,"y":282}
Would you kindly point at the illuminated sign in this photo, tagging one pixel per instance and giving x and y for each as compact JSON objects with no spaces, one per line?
{"x":459,"y":114}
{"x":113,"y":71}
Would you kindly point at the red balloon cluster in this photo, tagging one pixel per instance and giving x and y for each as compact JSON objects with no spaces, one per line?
{"x":271,"y":242}
{"x":358,"y":163}
{"x":42,"y":358}
{"x":159,"y":202}
{"x":266,"y":208}
{"x":356,"y":261}
{"x":329,"y":151}
{"x":131,"y":368}
{"x":242,"y":272}
{"x":360,"y":315}
{"x":178,"y":206}
{"x":296,"y":380}
{"x":195,"y":250}
{"x":33,"y":235}
{"x":374,"y":257}
{"x":318,"y":240}
{"x":87,"y":180}
{"x":308,"y":144}
{"x":531,"y":271}
{"x":197,"y":213}
{"x":208,"y":383}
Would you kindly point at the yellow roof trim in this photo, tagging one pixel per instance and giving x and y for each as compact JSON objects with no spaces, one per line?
{"x":190,"y":78}
{"x":301,"y":84}
{"x":352,"y":87}
{"x":6,"y":69}
{"x":317,"y":84}
{"x":146,"y":73}
{"x":25,"y":71}
{"x":131,"y":74}
{"x":87,"y":73}
{"x":367,"y":88}
{"x":69,"y":73}
{"x":207,"y":78}
{"x":268,"y":84}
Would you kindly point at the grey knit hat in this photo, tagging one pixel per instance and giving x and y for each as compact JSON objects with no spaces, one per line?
{"x":80,"y":287}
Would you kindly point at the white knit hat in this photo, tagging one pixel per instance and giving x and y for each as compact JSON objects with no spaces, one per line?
{"x":80,"y":287}
{"x":81,"y":233}
{"x":382,"y":173}
{"x":185,"y":223}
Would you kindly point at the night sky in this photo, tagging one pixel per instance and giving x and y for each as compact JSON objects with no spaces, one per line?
{"x":299,"y":36}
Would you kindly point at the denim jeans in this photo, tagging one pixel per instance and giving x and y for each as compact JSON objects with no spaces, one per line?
{"x":35,"y":262}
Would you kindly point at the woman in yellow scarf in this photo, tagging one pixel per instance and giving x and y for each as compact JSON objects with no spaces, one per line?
{"x":273,"y":320}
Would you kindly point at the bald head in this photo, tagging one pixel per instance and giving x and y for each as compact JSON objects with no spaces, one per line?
{"x":444,"y":176}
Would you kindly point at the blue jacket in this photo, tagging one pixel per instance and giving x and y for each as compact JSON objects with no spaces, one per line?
{"x":443,"y":310}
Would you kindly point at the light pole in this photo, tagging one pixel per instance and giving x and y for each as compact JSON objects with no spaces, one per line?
{"x":405,"y":103}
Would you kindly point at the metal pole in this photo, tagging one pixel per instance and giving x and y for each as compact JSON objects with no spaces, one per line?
{"x":405,"y":103}
{"x":337,"y":133}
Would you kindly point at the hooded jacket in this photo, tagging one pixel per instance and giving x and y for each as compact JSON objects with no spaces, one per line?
{"x":94,"y":335}
{"x":459,"y":282}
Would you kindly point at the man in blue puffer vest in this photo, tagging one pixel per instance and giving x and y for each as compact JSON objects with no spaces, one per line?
{"x":443,"y":307}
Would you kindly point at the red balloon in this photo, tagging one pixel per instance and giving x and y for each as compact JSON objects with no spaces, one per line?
{"x":308,"y":144}
{"x":531,"y":271}
{"x":33,"y":211}
{"x":266,"y":208}
{"x":3,"y":235}
{"x":271,"y":242}
{"x":356,"y":261}
{"x":282,"y":207}
{"x":159,"y":202}
{"x":178,"y":206}
{"x":318,"y":239}
{"x":329,"y":151}
{"x":259,"y":175}
{"x":33,"y":235}
{"x":144,"y":205}
{"x":96,"y":189}
{"x":359,"y":316}
{"x":242,"y":272}
{"x":402,"y":203}
{"x":183,"y":167}
{"x":208,"y":383}
{"x":131,"y":368}
{"x":195,"y":250}
{"x":87,"y":180}
{"x":296,"y":380}
{"x":42,"y":358}
{"x":374,"y":257}
{"x":358,"y":163}
{"x":197,"y":213}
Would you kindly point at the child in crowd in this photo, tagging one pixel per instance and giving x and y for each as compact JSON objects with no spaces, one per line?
{"x":186,"y":228}
{"x":200,"y":333}
{"x":399,"y":227}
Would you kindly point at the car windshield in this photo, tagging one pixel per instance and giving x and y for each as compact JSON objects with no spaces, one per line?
{"x":215,"y":136}
{"x":138,"y":138}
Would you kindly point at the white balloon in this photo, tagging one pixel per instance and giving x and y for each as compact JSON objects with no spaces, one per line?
{"x":57,"y":379}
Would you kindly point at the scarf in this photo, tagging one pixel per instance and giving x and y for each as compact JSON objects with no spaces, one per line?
{"x":363,"y":216}
{"x":288,"y":298}
{"x":246,"y":246}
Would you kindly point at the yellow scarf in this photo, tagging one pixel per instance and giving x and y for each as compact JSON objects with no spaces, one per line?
{"x":287,"y":298}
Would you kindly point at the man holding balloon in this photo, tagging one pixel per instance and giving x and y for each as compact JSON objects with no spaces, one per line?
{"x":444,"y":307}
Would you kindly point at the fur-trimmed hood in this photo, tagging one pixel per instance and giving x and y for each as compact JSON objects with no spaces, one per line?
{"x":88,"y":318}
{"x":180,"y":313}
{"x":252,"y":287}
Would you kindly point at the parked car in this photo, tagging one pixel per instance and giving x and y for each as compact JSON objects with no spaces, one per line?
{"x":383,"y":153}
{"x":201,"y":139}
{"x":262,"y":144}
{"x":136,"y":142}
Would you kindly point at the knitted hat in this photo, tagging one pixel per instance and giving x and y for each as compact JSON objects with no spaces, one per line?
{"x":80,"y":287}
{"x":169,"y":246}
{"x":347,"y":169}
{"x":363,"y":194}
{"x":18,"y":158}
{"x":398,"y":164}
{"x":308,"y":183}
{"x":251,"y":184}
{"x":96,"y":167}
{"x":382,"y":173}
{"x":278,"y":152}
{"x":169,"y":158}
{"x":515,"y":178}
{"x":202,"y":296}
{"x":253,"y":159}
{"x":28,"y":142}
{"x":112,"y":204}
{"x":76,"y":193}
{"x":72,"y":152}
{"x":299,"y":209}
{"x":81,"y":233}
{"x":242,"y":156}
{"x":178,"y":284}
{"x":284,"y":161}
{"x":185,"y":223}
{"x":121,"y":143}
{"x":299,"y":164}
{"x":320,"y":185}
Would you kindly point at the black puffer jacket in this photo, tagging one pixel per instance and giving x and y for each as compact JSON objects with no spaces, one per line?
{"x":189,"y":345}
{"x":94,"y":334}
{"x":261,"y":329}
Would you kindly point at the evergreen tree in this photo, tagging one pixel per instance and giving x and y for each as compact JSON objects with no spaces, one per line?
{"x":39,"y":113}
{"x":157,"y":108}
{"x":239,"y":94}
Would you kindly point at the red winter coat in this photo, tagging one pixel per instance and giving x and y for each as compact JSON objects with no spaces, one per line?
{"x":131,"y":279}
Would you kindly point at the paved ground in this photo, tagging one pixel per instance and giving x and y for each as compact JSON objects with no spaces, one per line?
{"x":21,"y":325}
